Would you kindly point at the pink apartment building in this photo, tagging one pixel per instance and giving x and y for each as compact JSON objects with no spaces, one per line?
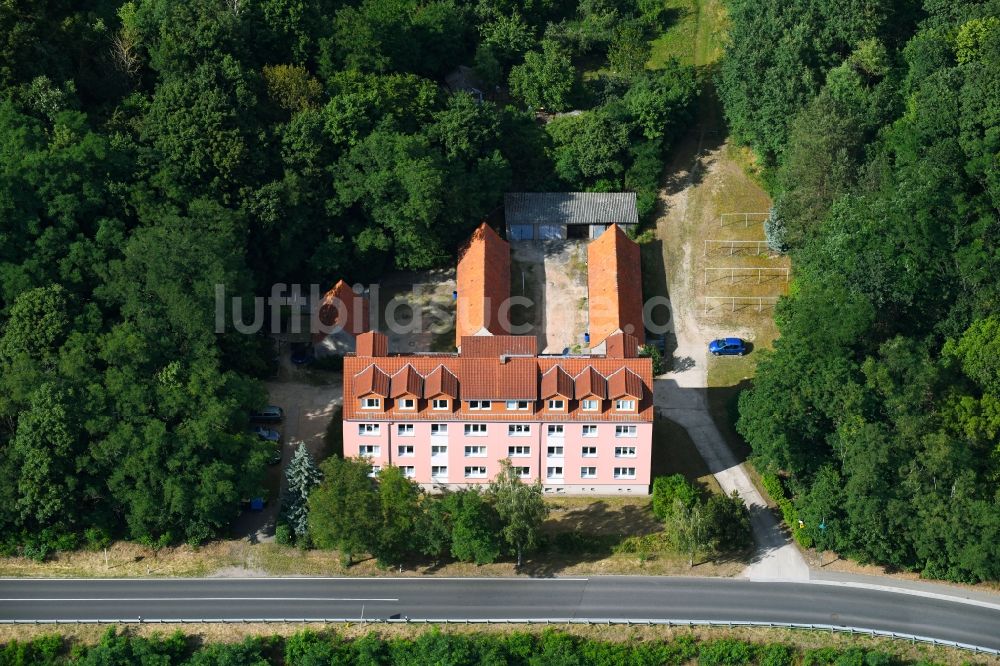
{"x":580,"y":424}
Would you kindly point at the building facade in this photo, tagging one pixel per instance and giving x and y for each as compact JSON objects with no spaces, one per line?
{"x":579,"y":424}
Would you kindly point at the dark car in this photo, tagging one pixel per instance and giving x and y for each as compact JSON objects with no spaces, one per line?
{"x":728,"y":347}
{"x":302,"y":354}
{"x":269,"y":414}
{"x":276,"y":455}
{"x":266,"y":433}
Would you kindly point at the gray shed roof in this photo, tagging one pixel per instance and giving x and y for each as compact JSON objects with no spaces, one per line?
{"x":570,"y":208}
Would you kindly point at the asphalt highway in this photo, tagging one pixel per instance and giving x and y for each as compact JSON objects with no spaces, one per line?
{"x":610,"y":597}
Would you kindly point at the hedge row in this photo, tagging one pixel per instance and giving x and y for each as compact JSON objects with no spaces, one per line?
{"x":776,"y":489}
{"x":551,"y":648}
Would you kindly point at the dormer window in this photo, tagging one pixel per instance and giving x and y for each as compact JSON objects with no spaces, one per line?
{"x":589,"y":405}
{"x":407,"y":403}
{"x":557,"y":405}
{"x":371,"y":403}
{"x":625,"y":405}
{"x":439,"y":403}
{"x":480,"y":404}
{"x":517,"y":405}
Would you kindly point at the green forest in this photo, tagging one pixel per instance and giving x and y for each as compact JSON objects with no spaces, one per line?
{"x":550,"y":648}
{"x":878,"y":412}
{"x":153,"y":149}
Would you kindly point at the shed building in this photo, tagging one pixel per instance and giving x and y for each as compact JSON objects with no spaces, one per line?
{"x":562,"y":215}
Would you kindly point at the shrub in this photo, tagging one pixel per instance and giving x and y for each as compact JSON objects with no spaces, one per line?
{"x":726,"y":652}
{"x":96,"y":538}
{"x":776,"y":489}
{"x":728,"y":521}
{"x":652,"y":352}
{"x":283,"y":535}
{"x":668,"y":488}
{"x":775,"y":654}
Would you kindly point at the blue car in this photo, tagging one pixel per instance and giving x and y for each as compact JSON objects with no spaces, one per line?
{"x":727,"y":347}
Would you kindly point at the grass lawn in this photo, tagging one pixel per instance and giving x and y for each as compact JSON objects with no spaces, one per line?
{"x":695,"y":33}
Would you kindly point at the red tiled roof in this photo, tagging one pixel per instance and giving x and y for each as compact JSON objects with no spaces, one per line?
{"x":483,"y":283}
{"x":371,"y":380}
{"x":622,"y":345}
{"x":406,"y":382}
{"x":519,"y":378}
{"x":440,"y":381}
{"x":373,"y":343}
{"x":493,"y":379}
{"x":345,"y":309}
{"x":495,"y":346}
{"x":556,"y":382}
{"x":624,"y":382}
{"x":591,"y":382}
{"x":614,"y":284}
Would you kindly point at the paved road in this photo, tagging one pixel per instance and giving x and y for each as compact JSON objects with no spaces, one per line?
{"x":511,"y":598}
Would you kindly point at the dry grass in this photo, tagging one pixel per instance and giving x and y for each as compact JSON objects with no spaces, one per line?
{"x":232,"y":633}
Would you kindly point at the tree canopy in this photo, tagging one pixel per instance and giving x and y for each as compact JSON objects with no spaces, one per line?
{"x":878,"y":405}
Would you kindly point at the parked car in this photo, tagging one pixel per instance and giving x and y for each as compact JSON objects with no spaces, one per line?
{"x":728,"y":347}
{"x":269,"y":414}
{"x":302,"y":353}
{"x":276,"y":455}
{"x":266,"y":433}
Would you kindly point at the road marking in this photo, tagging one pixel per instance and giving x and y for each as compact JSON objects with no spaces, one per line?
{"x":365,"y":579}
{"x":195,"y":599}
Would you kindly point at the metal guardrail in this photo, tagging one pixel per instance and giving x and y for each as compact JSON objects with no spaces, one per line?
{"x":854,"y":631}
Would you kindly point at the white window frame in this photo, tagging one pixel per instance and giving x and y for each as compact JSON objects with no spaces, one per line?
{"x":439,"y":450}
{"x":440,"y":404}
{"x":517,"y":405}
{"x":556,"y":405}
{"x":475,"y":430}
{"x":369,"y":429}
{"x":556,"y":451}
{"x":624,"y":472}
{"x":408,"y":404}
{"x":375,"y":470}
{"x":371,"y":403}
{"x":518,"y":430}
{"x":556,"y":430}
{"x":405,"y":430}
{"x":475,"y":450}
{"x":554,"y":472}
{"x":626,"y":431}
{"x":475,"y":472}
{"x":369,"y":450}
{"x":409,"y":471}
{"x":590,"y":405}
{"x":523,"y":472}
{"x":518,"y":451}
{"x":625,"y":405}
{"x":439,"y":430}
{"x":439,"y":471}
{"x":405,"y":450}
{"x":588,"y":452}
{"x":625,"y":452}
{"x":588,"y":472}
{"x":589,"y":430}
{"x":480,"y":404}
